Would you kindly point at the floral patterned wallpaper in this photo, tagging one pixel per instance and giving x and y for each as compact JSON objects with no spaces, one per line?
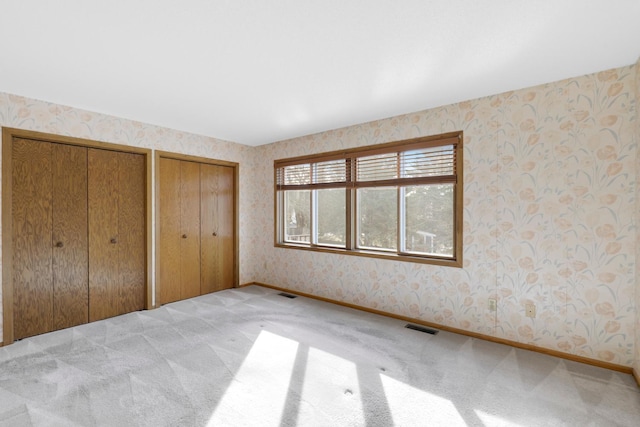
{"x":636,"y":365}
{"x":549,"y":218}
{"x":30,"y":114}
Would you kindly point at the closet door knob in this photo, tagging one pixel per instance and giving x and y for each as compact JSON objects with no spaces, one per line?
{"x":215,"y":234}
{"x":114,"y":240}
{"x":184,"y":236}
{"x":59,"y":245}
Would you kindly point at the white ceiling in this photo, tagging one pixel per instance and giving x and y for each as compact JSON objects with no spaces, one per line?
{"x":258,"y":71}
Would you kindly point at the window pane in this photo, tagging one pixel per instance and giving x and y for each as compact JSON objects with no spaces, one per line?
{"x":331,"y":217}
{"x":297,"y":208}
{"x":429,"y":219}
{"x":377,"y":218}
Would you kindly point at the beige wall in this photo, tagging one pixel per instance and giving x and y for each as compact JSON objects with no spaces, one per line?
{"x":636,"y":364}
{"x":549,"y":212}
{"x":24,"y":113}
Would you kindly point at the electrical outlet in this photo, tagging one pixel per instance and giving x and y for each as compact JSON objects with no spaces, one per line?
{"x":493,"y":305}
{"x":530,"y":310}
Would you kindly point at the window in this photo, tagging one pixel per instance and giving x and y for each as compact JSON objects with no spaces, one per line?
{"x":400,"y":200}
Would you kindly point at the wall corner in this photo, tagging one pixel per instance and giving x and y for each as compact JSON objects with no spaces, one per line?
{"x":636,"y":104}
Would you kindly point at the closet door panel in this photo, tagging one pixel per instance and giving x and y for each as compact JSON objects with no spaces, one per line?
{"x":131,"y":236}
{"x":70,"y":246}
{"x":226,"y":236}
{"x":170,"y":230}
{"x":209,"y":230}
{"x":32,"y":246}
{"x":216,"y":201}
{"x":190,"y":222}
{"x":103,"y":234}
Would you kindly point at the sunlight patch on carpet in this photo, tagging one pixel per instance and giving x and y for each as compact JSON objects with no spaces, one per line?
{"x":331,"y":382}
{"x":259,"y":388}
{"x":411,"y":406}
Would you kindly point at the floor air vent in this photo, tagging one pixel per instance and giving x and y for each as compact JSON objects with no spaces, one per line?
{"x":286,"y":295}
{"x":422,"y":329}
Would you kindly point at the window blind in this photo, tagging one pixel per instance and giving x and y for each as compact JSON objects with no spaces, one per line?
{"x":419,"y":162}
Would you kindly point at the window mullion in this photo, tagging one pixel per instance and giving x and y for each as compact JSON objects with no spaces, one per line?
{"x":399,"y":205}
{"x":352,"y":207}
{"x":349,"y":218}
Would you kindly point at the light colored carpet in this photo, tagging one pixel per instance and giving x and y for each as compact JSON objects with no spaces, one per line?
{"x":248,"y":357}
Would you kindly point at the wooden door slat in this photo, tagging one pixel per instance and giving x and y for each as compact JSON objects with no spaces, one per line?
{"x":190,"y":224}
{"x":32,"y":225}
{"x":226,"y":235}
{"x":209,"y":228}
{"x":170,"y":230}
{"x":69,"y":237}
{"x":216,"y":200}
{"x":103,"y":227}
{"x":131,"y":232}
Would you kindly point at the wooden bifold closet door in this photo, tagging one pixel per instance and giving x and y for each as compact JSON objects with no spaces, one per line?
{"x":78,"y":235}
{"x":49,"y":215}
{"x":196,"y":219}
{"x":216,"y":213}
{"x":116,"y":233}
{"x":180,"y":230}
{"x":69,"y":236}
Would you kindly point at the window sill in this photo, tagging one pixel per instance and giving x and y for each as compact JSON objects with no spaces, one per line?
{"x":447,"y":262}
